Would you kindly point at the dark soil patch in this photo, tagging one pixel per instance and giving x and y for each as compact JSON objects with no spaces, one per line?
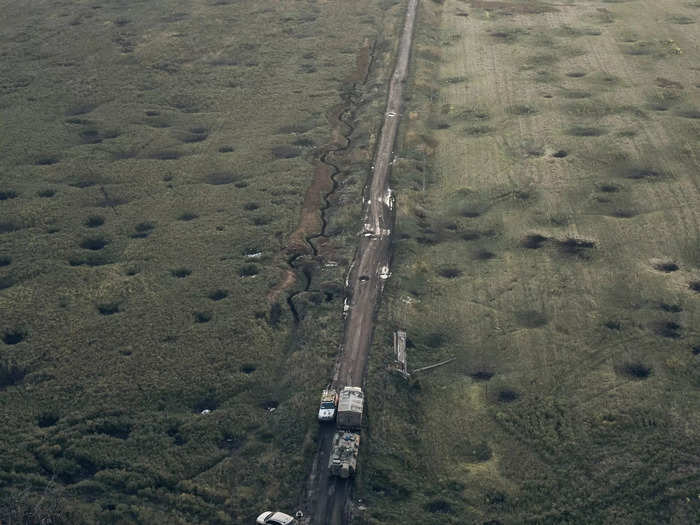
{"x":46,"y":193}
{"x":202,"y":317}
{"x":108,"y":308}
{"x":8,"y":227}
{"x":484,"y":255}
{"x":482,"y":375}
{"x":530,"y":318}
{"x":249,"y":270}
{"x":12,"y":337}
{"x":166,"y":155}
{"x":571,"y":246}
{"x":435,"y":340}
{"x":560,"y":154}
{"x":248,"y":368}
{"x":218,"y":295}
{"x":11,"y":374}
{"x":220,"y":178}
{"x":583,"y":131}
{"x":194,"y":138}
{"x":152,"y":113}
{"x":623,"y":214}
{"x":47,"y":419}
{"x":690,"y":113}
{"x":46,"y":161}
{"x":672,"y":308}
{"x":180,"y":272}
{"x":576,"y":74}
{"x":634,"y":370}
{"x":285,"y":152}
{"x":5,"y":260}
{"x":577,"y":95}
{"x":669,"y":329}
{"x":439,"y":506}
{"x":6,"y":282}
{"x":226,"y":149}
{"x":8,"y":194}
{"x":506,"y":395}
{"x":521,"y":109}
{"x":251,"y":206}
{"x":534,"y":241}
{"x":187,"y":216}
{"x":694,"y":285}
{"x":450,"y":273}
{"x":666,"y":267}
{"x":470,"y":213}
{"x":93,"y":221}
{"x":612,"y":325}
{"x":641,"y":174}
{"x":94,"y":243}
{"x":471,"y":235}
{"x":609,"y":188}
{"x":696,"y":350}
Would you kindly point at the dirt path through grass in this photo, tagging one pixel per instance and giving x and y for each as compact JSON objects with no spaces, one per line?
{"x":327,"y":497}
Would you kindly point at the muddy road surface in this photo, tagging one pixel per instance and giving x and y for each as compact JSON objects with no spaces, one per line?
{"x":327,"y":497}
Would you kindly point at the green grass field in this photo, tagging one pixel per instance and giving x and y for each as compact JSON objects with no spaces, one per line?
{"x":547,"y":238}
{"x":150,"y":150}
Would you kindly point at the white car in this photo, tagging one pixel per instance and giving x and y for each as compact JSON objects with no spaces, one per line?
{"x":275,"y":518}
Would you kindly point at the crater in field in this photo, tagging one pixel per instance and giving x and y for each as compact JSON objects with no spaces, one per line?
{"x":572,"y":246}
{"x":220,"y":178}
{"x":202,"y":317}
{"x":450,"y":273}
{"x":108,"y":308}
{"x":612,"y":325}
{"x":521,"y":109}
{"x":634,"y":370}
{"x":641,"y":173}
{"x":47,"y":160}
{"x":218,"y":295}
{"x":94,"y":243}
{"x":690,"y":113}
{"x":248,"y":368}
{"x":6,"y":282}
{"x":666,"y":267}
{"x":226,"y":149}
{"x":471,"y":235}
{"x":439,"y":506}
{"x":576,"y":74}
{"x":13,"y":337}
{"x":560,"y":154}
{"x":624,"y":213}
{"x":482,"y":375}
{"x":530,"y":318}
{"x":249,"y":270}
{"x":586,"y":131}
{"x":471,"y":213}
{"x":8,"y":227}
{"x":694,"y":285}
{"x":47,"y":193}
{"x":574,"y":94}
{"x":187,"y":216}
{"x":5,"y":260}
{"x":506,"y":395}
{"x":8,"y":194}
{"x":609,"y":188}
{"x":668,"y":329}
{"x":251,"y":206}
{"x":285,"y":152}
{"x":270,"y":404}
{"x":484,"y":255}
{"x":180,"y":272}
{"x":93,"y":221}
{"x":534,"y":241}
{"x":166,"y":155}
{"x":672,"y":308}
{"x":47,"y":419}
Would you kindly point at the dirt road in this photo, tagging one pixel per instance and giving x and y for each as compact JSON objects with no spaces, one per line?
{"x":327,"y":496}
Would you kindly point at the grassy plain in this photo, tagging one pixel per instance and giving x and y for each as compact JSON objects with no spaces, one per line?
{"x":149,"y":150}
{"x":548,"y":238}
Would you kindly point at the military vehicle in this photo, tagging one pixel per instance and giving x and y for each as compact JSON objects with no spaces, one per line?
{"x":275,"y":518}
{"x":329,"y":402}
{"x":350,"y":407}
{"x":343,"y":460}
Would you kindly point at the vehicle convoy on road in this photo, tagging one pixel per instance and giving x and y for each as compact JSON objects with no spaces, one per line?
{"x":275,"y":518}
{"x":346,"y":441}
{"x":329,"y":402}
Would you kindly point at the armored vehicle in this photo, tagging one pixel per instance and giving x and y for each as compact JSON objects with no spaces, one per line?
{"x":343,"y":461}
{"x":350,"y":408}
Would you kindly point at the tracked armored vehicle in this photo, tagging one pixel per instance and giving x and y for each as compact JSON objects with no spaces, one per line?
{"x":343,"y":460}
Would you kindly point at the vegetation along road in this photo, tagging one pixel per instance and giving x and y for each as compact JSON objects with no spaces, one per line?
{"x":364,"y":283}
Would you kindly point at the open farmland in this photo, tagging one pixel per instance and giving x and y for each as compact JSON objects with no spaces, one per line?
{"x":548,"y":238}
{"x":156,"y":157}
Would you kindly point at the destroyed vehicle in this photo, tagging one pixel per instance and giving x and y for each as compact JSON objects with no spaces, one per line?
{"x":329,"y":402}
{"x":343,"y":460}
{"x":275,"y":518}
